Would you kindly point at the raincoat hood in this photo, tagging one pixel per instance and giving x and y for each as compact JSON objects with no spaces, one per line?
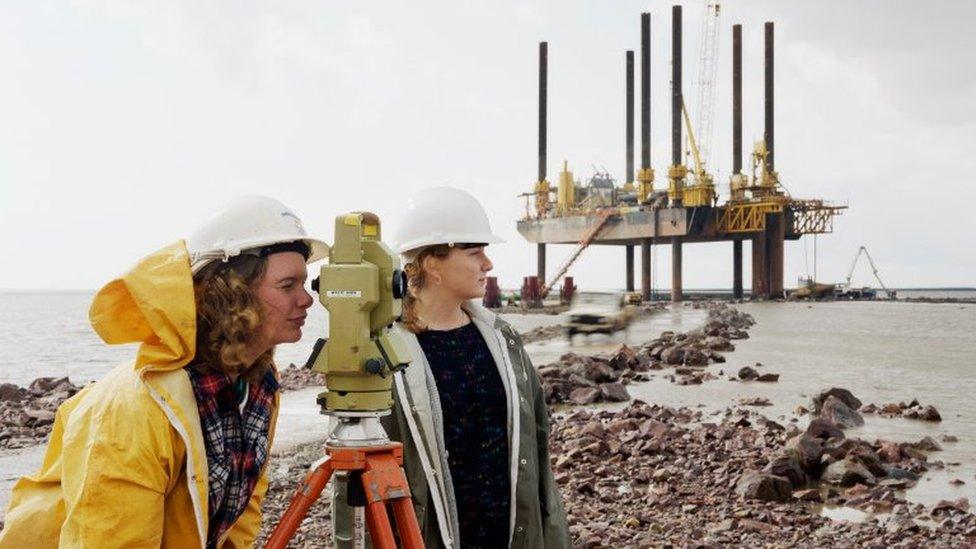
{"x":152,"y":304}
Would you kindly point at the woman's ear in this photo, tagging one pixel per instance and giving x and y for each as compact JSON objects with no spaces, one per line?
{"x":431,"y":268}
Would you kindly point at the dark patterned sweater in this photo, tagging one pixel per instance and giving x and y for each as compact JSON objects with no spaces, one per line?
{"x":475,"y":432}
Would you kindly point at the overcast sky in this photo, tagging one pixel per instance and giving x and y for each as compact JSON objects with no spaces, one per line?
{"x":123,"y":123}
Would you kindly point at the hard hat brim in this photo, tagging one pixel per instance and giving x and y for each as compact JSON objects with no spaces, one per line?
{"x":317,"y":250}
{"x":468,"y":238}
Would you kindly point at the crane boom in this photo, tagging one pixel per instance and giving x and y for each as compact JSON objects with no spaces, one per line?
{"x":874,"y":270}
{"x":707,"y":70}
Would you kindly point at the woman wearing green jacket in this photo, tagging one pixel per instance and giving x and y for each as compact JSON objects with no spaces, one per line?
{"x":469,"y":409}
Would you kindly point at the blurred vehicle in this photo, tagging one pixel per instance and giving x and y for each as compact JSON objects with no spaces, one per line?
{"x":598,"y":313}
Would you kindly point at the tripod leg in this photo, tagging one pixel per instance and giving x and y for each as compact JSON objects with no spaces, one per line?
{"x":306,"y":495}
{"x":378,"y":522}
{"x":407,"y":524}
{"x":384,"y":482}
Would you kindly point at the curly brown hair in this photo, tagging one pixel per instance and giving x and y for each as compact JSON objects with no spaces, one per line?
{"x":416,"y":281}
{"x":229,"y":317}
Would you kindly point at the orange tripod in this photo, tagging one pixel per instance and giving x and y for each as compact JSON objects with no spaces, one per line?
{"x":383,"y":482}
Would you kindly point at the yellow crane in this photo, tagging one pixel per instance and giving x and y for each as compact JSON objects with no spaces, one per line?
{"x":702,"y":190}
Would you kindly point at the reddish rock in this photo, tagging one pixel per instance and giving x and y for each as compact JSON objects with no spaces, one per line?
{"x":840,"y":414}
{"x":673,"y":355}
{"x":621,"y":425}
{"x":807,"y":450}
{"x":11,"y":393}
{"x":891,"y":408}
{"x":847,"y":473}
{"x":823,"y":429}
{"x":929,"y":413}
{"x":594,"y":429}
{"x":695,"y":357}
{"x":584,"y":395}
{"x":614,"y":392}
{"x":811,"y":494}
{"x":889,"y":452}
{"x":651,"y":428}
{"x":747,"y":373}
{"x":788,"y":467}
{"x":764,"y":487}
{"x":838,"y":393}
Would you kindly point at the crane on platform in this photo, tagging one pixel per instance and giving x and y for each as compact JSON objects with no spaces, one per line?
{"x":702,"y":191}
{"x":601,"y":221}
{"x":707,"y":70}
{"x":845,"y":288}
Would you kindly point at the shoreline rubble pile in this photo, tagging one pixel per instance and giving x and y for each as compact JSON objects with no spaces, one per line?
{"x":580,"y":380}
{"x":27,"y":413}
{"x":648,"y":476}
{"x":912,"y":410}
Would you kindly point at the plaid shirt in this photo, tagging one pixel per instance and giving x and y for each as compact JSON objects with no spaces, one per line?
{"x":236,"y":443}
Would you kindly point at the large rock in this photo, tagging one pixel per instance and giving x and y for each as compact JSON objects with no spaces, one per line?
{"x":807,"y":450}
{"x":600,"y":372}
{"x":614,"y":392}
{"x":840,"y":394}
{"x":584,"y":395}
{"x":763,"y":486}
{"x":788,"y":467}
{"x":10,"y":393}
{"x":695,"y":357}
{"x":42,"y":385}
{"x":39,"y":418}
{"x":847,"y":472}
{"x":652,"y":428}
{"x":748,"y":373}
{"x":824,"y":430}
{"x":929,"y":413}
{"x":622,"y":357}
{"x":719,"y":343}
{"x":673,"y":355}
{"x":870,"y":460}
{"x":840,"y":414}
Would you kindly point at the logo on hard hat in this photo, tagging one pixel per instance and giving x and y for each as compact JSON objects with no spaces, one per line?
{"x":298,"y":222}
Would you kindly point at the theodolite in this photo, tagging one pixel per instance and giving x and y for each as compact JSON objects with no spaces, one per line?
{"x":361,"y":287}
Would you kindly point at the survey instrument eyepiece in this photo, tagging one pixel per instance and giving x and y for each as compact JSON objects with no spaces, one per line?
{"x":361,"y":287}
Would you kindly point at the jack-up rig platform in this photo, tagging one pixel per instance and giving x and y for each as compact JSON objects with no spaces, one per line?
{"x":758,"y":208}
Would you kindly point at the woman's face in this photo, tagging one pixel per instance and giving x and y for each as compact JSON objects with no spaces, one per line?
{"x":282,"y":292}
{"x":462,"y":273}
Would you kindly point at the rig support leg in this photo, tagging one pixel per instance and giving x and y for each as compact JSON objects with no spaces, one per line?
{"x":676,"y":270}
{"x":629,"y":252}
{"x":737,"y":268}
{"x":646,"y":269}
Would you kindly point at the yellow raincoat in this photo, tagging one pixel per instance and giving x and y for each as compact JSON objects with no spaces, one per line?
{"x":126,"y":464}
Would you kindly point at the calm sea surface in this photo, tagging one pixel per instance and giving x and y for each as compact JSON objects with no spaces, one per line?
{"x":48,"y":334}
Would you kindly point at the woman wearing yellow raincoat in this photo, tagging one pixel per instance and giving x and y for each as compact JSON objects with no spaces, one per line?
{"x":170,"y":450}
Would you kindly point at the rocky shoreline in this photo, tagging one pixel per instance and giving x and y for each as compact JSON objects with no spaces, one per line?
{"x":579,"y":380}
{"x":649,"y":475}
{"x":654,"y":476}
{"x":27,"y":413}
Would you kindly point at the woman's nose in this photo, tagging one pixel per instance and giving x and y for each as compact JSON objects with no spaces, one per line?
{"x":307,"y":299}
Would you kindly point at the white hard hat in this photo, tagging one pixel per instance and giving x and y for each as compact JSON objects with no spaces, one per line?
{"x":245,"y":223}
{"x":443,"y":215}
